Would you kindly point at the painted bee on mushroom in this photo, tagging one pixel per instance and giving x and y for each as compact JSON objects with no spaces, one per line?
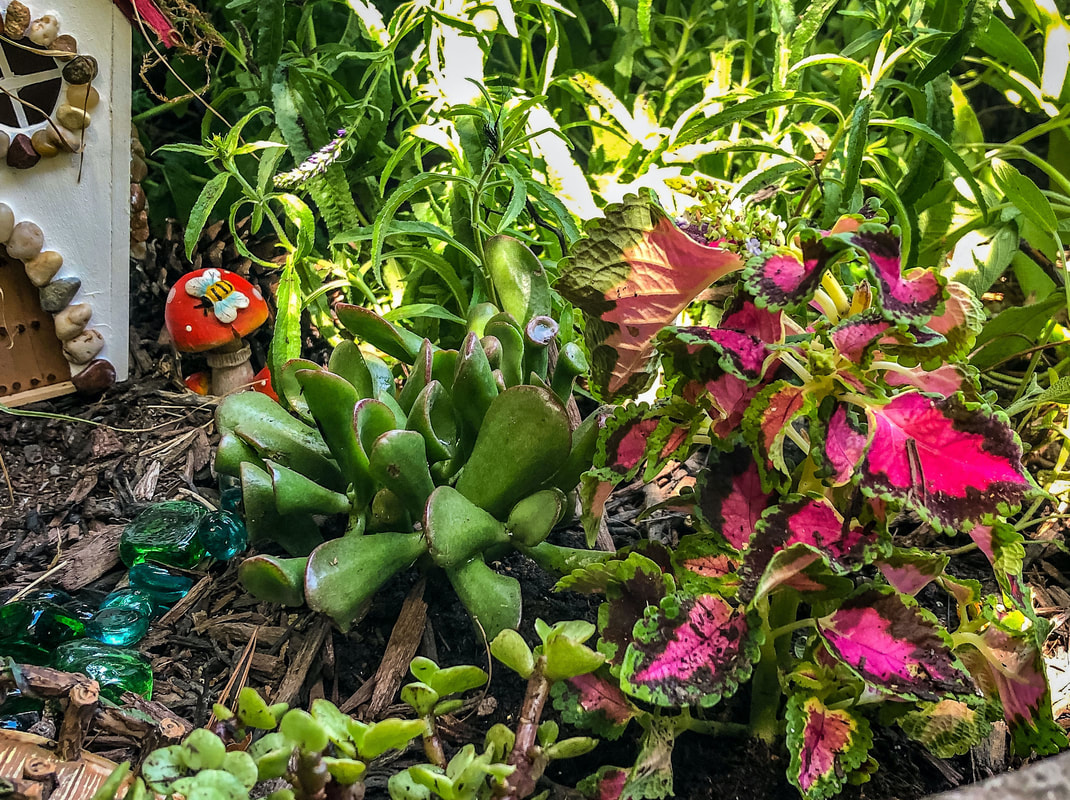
{"x":217,"y":295}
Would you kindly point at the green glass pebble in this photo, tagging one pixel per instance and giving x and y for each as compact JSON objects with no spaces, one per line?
{"x":223,"y":535}
{"x":130,"y":598}
{"x":159,"y":584}
{"x":30,"y":631}
{"x":166,"y":533}
{"x":230,"y":499}
{"x":121,"y":627}
{"x":116,"y":669}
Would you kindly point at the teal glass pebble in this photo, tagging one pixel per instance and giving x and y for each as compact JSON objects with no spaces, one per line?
{"x":166,"y":532}
{"x":116,"y":669}
{"x":131,"y":598}
{"x":223,"y":535}
{"x":230,"y":499}
{"x":121,"y":627}
{"x":30,"y":631}
{"x":159,"y":584}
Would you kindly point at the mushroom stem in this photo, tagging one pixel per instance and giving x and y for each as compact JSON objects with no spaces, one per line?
{"x":231,"y":370}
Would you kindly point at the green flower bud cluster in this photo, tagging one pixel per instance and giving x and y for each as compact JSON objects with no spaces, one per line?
{"x":451,"y":456}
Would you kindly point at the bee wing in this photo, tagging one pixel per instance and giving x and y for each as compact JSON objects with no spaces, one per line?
{"x":196,"y":287}
{"x":226,"y":310}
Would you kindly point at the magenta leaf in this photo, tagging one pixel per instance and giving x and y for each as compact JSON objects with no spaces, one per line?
{"x":705,"y":564}
{"x":856,"y":336}
{"x":593,"y":702}
{"x":729,"y":398}
{"x":845,"y":443}
{"x":805,"y":524}
{"x":952,"y":462}
{"x":909,"y":570}
{"x":895,"y":646}
{"x":744,"y":315}
{"x":1003,"y":547}
{"x":961,"y":320}
{"x":766,"y":422}
{"x":632,"y":273}
{"x":787,"y":277}
{"x":945,"y":380}
{"x":147,"y":11}
{"x":702,"y":354}
{"x":948,"y":728}
{"x":730,"y":497}
{"x":689,"y":651}
{"x":911,"y":298}
{"x":606,"y":784}
{"x":826,"y":746}
{"x":638,"y":433}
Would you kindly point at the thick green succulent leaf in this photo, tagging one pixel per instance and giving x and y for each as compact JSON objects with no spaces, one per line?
{"x":581,"y":455}
{"x":344,"y":573}
{"x":518,"y":277}
{"x":455,"y":680}
{"x":369,"y":327}
{"x":505,"y":330}
{"x":432,"y":416}
{"x":826,"y":746}
{"x":297,"y":533}
{"x":523,"y":440}
{"x":474,"y":387}
{"x":532,"y":519}
{"x":947,"y":728}
{"x":632,"y":274}
{"x":296,"y":494}
{"x":253,"y":710}
{"x":493,"y":600}
{"x":390,"y":734}
{"x":348,"y":362}
{"x":457,"y":530}
{"x":306,"y":731}
{"x":274,"y":580}
{"x":510,"y":648}
{"x":241,"y":765}
{"x":290,"y":389}
{"x":398,"y":460}
{"x":371,"y":419}
{"x":345,"y":771}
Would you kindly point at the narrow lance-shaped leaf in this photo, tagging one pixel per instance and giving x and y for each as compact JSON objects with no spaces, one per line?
{"x":632,"y":274}
{"x":826,"y":746}
{"x":954,"y":463}
{"x":895,"y":646}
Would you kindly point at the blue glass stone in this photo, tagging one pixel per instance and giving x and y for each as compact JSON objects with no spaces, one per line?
{"x":230,"y":499}
{"x":121,"y":627}
{"x":223,"y":535}
{"x":159,"y":584}
{"x":166,"y":533}
{"x":130,"y":598}
{"x":116,"y":669}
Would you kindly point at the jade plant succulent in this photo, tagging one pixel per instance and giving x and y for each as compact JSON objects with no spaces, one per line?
{"x":467,"y":453}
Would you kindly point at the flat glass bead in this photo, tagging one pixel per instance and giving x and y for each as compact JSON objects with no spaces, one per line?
{"x":30,"y":631}
{"x":130,"y":598}
{"x":230,"y":499}
{"x":223,"y":535}
{"x":166,"y":533}
{"x":118,"y":626}
{"x":159,"y":584}
{"x":116,"y":669}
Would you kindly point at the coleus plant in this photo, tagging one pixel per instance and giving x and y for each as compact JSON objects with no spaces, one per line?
{"x":836,"y":400}
{"x":468,"y":453}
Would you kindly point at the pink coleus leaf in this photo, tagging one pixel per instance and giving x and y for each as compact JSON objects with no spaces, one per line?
{"x":730,"y":497}
{"x":914,"y":297}
{"x":703,"y":353}
{"x":594,"y":494}
{"x":895,"y":646}
{"x":948,"y":728}
{"x":689,"y":651}
{"x":845,"y":442}
{"x":856,"y":336}
{"x":148,"y":12}
{"x":786,"y":277}
{"x":909,"y":570}
{"x":806,"y":522}
{"x":766,"y":422}
{"x":728,"y":397}
{"x":952,"y":462}
{"x":961,"y":320}
{"x":594,"y":702}
{"x":945,"y":380}
{"x":1004,"y":548}
{"x":1008,"y":662}
{"x":606,"y":784}
{"x":632,"y":273}
{"x":826,"y":746}
{"x":705,"y":564}
{"x":766,"y":325}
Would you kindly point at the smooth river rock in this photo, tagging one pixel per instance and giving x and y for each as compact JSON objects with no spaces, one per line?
{"x":57,"y":295}
{"x":84,"y":347}
{"x":72,"y":320}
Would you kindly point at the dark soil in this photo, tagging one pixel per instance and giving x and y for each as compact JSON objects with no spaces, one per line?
{"x":70,"y":487}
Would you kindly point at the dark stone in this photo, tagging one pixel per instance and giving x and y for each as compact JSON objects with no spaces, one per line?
{"x":80,"y":70}
{"x":21,"y":155}
{"x":98,"y":375}
{"x":57,"y":295}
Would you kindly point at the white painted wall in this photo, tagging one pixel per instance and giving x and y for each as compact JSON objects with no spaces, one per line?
{"x":88,"y":221}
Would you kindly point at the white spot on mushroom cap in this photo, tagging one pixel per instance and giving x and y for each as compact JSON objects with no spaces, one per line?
{"x":171,"y":294}
{"x":189,"y":329}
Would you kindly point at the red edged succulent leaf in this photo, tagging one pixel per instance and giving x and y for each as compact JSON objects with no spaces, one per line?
{"x":766,"y":421}
{"x":911,"y":298}
{"x":632,"y":273}
{"x":730,"y":497}
{"x":895,"y":646}
{"x":689,"y":651}
{"x":845,"y":443}
{"x":826,"y":746}
{"x":786,"y":277}
{"x":952,"y":462}
{"x":702,"y":353}
{"x":804,"y":522}
{"x":856,"y":336}
{"x":948,"y":728}
{"x":591,"y":701}
{"x":909,"y":570}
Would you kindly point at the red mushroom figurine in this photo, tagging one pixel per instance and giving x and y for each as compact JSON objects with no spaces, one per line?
{"x":210,"y":311}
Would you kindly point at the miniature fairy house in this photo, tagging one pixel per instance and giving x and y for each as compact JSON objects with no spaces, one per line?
{"x":65,"y":80}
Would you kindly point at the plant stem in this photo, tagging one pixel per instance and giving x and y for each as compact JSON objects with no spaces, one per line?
{"x":790,"y":627}
{"x":433,"y":744}
{"x":765,"y":685}
{"x":521,"y":783}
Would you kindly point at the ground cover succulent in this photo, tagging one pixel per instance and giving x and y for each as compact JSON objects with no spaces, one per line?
{"x":469,"y":453}
{"x":838,"y":403}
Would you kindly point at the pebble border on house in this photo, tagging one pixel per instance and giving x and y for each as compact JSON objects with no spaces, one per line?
{"x":25,"y":242}
{"x":63,"y":132}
